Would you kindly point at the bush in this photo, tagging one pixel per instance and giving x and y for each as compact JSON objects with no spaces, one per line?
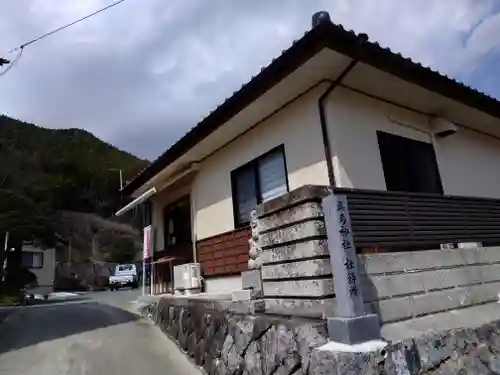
{"x":123,"y":251}
{"x":21,"y":278}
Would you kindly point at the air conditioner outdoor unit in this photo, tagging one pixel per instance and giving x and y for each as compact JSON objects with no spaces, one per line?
{"x":187,"y":278}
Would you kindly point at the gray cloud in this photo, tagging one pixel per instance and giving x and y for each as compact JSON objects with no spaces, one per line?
{"x":140,"y":75}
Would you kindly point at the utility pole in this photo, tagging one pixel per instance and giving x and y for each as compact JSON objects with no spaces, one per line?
{"x":5,"y":247}
{"x":121,"y":175}
{"x":6,"y":241}
{"x":70,"y":249}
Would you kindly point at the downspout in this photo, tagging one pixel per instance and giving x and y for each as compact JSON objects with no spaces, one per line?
{"x":322,"y":119}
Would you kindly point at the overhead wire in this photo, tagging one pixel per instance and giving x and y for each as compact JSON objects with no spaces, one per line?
{"x":13,"y":63}
{"x":68,"y":25}
{"x":22,"y":46}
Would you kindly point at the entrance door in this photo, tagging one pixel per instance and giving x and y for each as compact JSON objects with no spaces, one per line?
{"x":177,"y":229}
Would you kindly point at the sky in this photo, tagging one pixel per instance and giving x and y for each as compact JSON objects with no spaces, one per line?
{"x":141,"y":74}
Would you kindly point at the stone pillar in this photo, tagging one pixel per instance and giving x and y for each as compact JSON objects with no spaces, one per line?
{"x":296,"y":272}
{"x":251,"y":280}
{"x":349,"y":324}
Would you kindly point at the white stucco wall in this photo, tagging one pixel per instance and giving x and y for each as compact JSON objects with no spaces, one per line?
{"x":296,"y":126}
{"x":353,"y":121}
{"x":45,"y":275}
{"x":469,"y":163}
{"x":159,"y":201}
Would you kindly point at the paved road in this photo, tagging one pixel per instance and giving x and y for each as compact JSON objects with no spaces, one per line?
{"x":94,"y":336}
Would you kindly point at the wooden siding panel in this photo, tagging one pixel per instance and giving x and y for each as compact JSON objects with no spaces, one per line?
{"x":224,"y":254}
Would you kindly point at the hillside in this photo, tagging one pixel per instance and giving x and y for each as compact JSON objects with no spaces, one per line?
{"x":46,"y":173}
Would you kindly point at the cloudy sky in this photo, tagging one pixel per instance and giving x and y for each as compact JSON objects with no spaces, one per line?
{"x":144,"y":72}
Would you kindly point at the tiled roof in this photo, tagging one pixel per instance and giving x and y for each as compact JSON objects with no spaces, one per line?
{"x":325,"y":35}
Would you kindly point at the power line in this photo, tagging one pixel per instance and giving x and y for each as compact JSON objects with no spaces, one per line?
{"x":13,"y":62}
{"x":66,"y":26}
{"x":22,"y":46}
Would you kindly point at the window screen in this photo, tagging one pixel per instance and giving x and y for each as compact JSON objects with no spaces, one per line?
{"x":272,"y":175}
{"x":258,"y":181}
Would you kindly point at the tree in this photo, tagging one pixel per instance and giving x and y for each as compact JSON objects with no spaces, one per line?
{"x":123,"y":251}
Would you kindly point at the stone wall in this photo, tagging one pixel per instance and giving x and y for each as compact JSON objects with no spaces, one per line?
{"x":296,"y":271}
{"x":229,"y":344}
{"x":405,"y":285}
{"x":297,"y":275}
{"x":224,"y":343}
{"x":461,"y":351}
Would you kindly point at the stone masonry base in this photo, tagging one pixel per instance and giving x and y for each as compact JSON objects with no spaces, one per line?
{"x":230,"y":344}
{"x":227,"y":343}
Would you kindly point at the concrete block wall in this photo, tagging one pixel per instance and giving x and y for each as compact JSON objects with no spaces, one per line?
{"x":405,"y":285}
{"x":296,"y":272}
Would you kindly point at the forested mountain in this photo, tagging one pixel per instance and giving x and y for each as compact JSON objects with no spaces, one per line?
{"x":44,"y":172}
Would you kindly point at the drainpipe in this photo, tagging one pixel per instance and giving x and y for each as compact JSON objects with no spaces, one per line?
{"x":362,"y":39}
{"x":322,"y":119}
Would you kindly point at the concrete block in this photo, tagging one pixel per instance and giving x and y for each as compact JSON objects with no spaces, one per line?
{"x":468,"y":275}
{"x":306,"y":193}
{"x":413,"y":261}
{"x":299,"y":288}
{"x":489,"y":254}
{"x":247,"y":307}
{"x":313,"y":308}
{"x":251,"y":280}
{"x":421,"y":260}
{"x":354,"y":330}
{"x":376,"y":287}
{"x":304,"y":230}
{"x":441,"y":300}
{"x":484,"y":293}
{"x":489,"y":273}
{"x":307,"y":210}
{"x":391,"y":309}
{"x":447,"y":278}
{"x":306,"y":249}
{"x":384,"y":263}
{"x":305,"y":268}
{"x":472,"y":256}
{"x":440,"y":279}
{"x":245,"y":295}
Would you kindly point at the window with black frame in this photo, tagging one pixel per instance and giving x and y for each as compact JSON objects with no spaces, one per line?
{"x":258,"y":181}
{"x":409,"y":165}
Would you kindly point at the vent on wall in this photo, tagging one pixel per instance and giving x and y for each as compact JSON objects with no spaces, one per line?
{"x":443,"y":128}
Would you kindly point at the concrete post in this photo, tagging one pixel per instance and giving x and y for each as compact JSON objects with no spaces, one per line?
{"x":350,"y":325}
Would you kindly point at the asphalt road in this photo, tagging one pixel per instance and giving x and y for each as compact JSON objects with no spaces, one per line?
{"x":97,"y":334}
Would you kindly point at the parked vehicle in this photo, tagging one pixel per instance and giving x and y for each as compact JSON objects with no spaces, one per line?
{"x":125,"y":275}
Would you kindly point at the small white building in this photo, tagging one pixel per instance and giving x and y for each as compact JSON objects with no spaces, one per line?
{"x":42,"y":262}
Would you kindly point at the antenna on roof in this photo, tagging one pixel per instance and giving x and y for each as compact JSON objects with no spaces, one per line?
{"x":320,"y":17}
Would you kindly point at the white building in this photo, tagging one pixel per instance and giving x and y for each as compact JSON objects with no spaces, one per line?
{"x":42,"y":262}
{"x":334,"y":109}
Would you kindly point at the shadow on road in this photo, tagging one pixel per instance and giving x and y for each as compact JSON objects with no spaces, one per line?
{"x":34,"y":325}
{"x":36,"y":302}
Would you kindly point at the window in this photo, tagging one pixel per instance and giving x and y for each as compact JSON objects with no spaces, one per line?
{"x":260,"y":180}
{"x":177,"y":223}
{"x":147,"y":213}
{"x":32,"y":259}
{"x":409,"y":165}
